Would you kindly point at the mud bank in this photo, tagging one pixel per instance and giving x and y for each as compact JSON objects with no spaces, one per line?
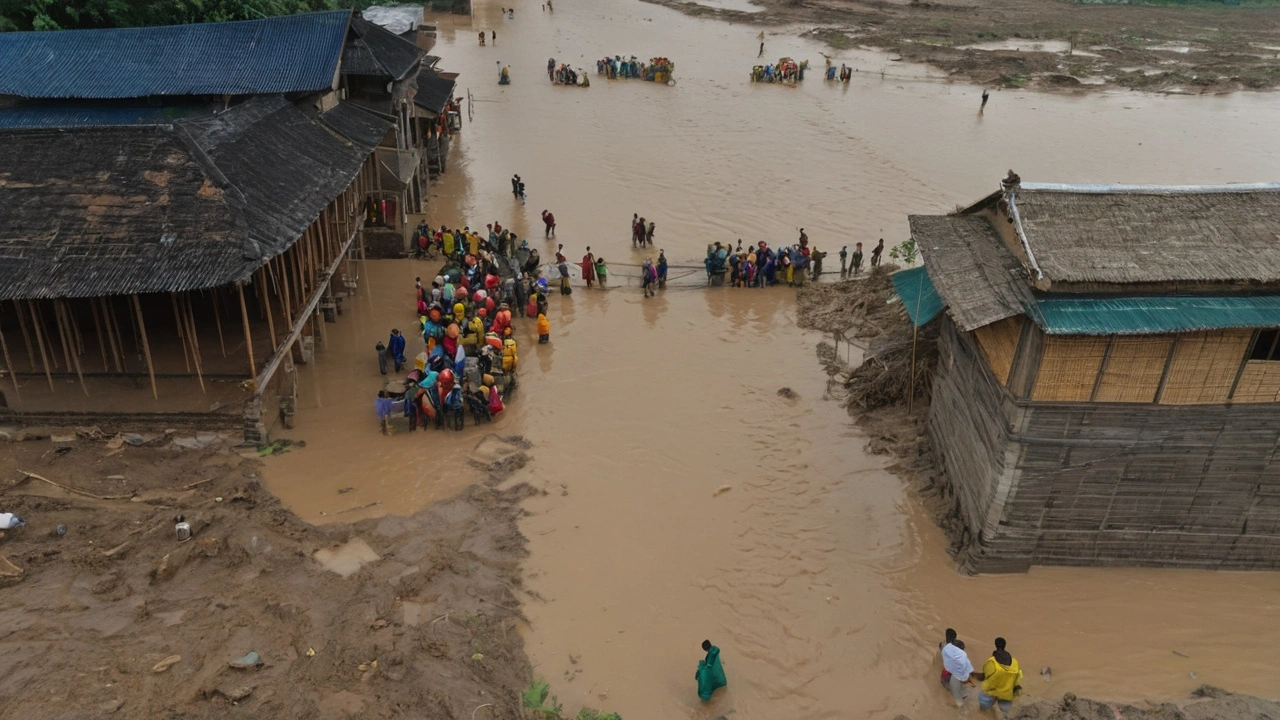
{"x":1207,"y":703}
{"x":1048,"y":46}
{"x":399,"y":616}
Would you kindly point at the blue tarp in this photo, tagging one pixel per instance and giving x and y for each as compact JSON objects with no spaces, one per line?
{"x":918,"y":294}
{"x":292,"y":53}
{"x":1151,"y":315}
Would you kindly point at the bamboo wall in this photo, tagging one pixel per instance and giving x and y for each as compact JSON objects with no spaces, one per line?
{"x":1104,"y":484}
{"x":1259,"y":382}
{"x":999,"y":342}
{"x":1203,"y":367}
{"x":1133,"y":370}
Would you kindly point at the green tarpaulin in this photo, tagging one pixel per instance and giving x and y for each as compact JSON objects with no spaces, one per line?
{"x":918,"y":294}
{"x":1150,"y":315}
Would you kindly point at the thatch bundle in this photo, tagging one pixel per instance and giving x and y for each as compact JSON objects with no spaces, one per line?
{"x":885,"y":377}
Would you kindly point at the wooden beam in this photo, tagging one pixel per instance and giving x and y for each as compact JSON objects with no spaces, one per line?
{"x":26,"y":337}
{"x":305,"y":312}
{"x":266,"y":303}
{"x":67,"y":311}
{"x":146,"y":346}
{"x":64,"y":326}
{"x":189,"y":319}
{"x":8,"y":364}
{"x":248,"y":337}
{"x":113,"y":333}
{"x":217,"y":320}
{"x":40,"y":318}
{"x":97,"y":331}
{"x":44,"y":357}
{"x":182,"y":334}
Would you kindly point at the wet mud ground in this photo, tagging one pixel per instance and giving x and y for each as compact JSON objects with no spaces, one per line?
{"x":1057,"y":46}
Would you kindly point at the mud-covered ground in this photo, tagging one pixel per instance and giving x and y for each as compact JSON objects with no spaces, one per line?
{"x":1047,"y":44}
{"x":116,"y":617}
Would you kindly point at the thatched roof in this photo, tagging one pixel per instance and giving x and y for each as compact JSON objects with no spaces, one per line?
{"x":975,"y":275}
{"x":1125,"y":235}
{"x":200,"y":203}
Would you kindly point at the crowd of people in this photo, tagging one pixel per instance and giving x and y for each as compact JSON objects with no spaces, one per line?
{"x":658,"y":69}
{"x":1000,"y":676}
{"x":786,"y":70}
{"x":470,"y":356}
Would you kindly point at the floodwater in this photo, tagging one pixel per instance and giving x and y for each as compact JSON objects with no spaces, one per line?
{"x":686,"y":498}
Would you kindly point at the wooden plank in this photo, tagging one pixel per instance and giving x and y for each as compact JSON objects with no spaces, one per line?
{"x":26,"y":337}
{"x":8,"y":365}
{"x":146,"y":346}
{"x":248,"y":336}
{"x":44,"y":357}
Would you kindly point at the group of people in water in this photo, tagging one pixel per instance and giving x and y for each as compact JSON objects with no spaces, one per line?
{"x":641,"y":233}
{"x":846,"y":72}
{"x":566,"y":75}
{"x":658,"y":69}
{"x":786,"y":70}
{"x":1000,"y":676}
{"x":465,"y":319}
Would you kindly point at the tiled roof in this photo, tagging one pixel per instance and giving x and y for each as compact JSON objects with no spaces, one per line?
{"x":292,"y":53}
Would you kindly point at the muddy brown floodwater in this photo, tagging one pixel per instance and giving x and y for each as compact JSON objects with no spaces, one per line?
{"x":686,"y":498}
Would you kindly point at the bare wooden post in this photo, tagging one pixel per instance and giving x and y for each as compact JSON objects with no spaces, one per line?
{"x":282,"y":289}
{"x":182,"y":333}
{"x":146,"y":346}
{"x":266,"y":304}
{"x":26,"y":337}
{"x":113,"y":333}
{"x":63,"y":316}
{"x":8,"y":364}
{"x":217,"y":320}
{"x":44,"y":357}
{"x":190,"y":320}
{"x":74,"y":325}
{"x":66,"y":352}
{"x":97,"y":331}
{"x":248,"y":338}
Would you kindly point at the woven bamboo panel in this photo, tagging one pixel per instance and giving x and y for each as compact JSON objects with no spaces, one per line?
{"x":1069,"y":368}
{"x":1259,"y":383}
{"x":1134,"y":368}
{"x":1204,"y":367}
{"x":999,"y":341}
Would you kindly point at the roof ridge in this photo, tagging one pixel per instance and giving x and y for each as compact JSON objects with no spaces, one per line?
{"x":1114,"y":189}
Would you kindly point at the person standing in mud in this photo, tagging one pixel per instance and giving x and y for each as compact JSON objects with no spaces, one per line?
{"x":648,"y":234}
{"x":844,"y":256}
{"x":589,"y":268}
{"x":662,"y":269}
{"x":1001,"y":680}
{"x":515,"y":186}
{"x":956,"y":662}
{"x":710,"y":673}
{"x":857,"y":258}
{"x":876,"y":252}
{"x":549,"y":221}
{"x":985,"y":96}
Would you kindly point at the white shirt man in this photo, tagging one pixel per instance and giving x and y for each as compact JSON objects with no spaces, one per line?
{"x":956,"y":661}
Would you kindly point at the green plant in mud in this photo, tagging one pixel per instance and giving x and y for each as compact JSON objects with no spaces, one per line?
{"x":589,"y":714}
{"x":538,"y":706}
{"x":534,"y":699}
{"x":906,"y":251}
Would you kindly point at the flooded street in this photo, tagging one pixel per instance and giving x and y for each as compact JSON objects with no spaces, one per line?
{"x":686,"y":498}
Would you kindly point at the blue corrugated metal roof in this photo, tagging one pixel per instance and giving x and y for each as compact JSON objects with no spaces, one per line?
{"x":1152,"y":315}
{"x":292,"y":53}
{"x":918,"y":294}
{"x":61,"y":117}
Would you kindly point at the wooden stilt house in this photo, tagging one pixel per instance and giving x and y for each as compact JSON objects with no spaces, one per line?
{"x":1108,"y":384}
